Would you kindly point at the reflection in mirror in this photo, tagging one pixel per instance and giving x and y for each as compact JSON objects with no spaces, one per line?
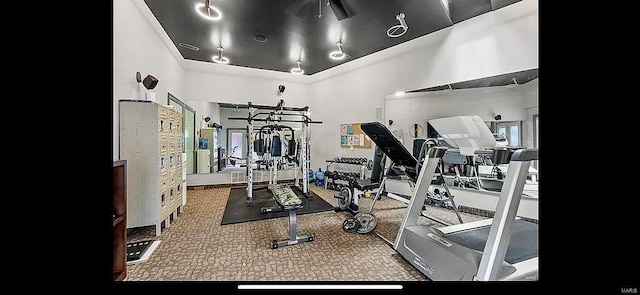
{"x":507,"y":103}
{"x":187,"y":129}
{"x":222,"y":143}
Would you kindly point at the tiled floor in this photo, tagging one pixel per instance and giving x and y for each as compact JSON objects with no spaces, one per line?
{"x":196,"y":247}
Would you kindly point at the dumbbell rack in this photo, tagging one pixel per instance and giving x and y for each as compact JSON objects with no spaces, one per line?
{"x":333,"y":183}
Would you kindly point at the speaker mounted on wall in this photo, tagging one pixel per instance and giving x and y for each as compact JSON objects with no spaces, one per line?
{"x":150,"y":82}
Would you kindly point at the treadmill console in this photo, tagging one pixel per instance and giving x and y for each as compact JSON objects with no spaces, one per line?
{"x":501,"y":155}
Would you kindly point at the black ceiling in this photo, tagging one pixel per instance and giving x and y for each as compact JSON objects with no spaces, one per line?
{"x":521,"y":77}
{"x":295,"y":31}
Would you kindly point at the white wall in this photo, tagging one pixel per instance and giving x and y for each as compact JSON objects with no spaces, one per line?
{"x":212,"y":86}
{"x":138,"y":48}
{"x":498,"y":42}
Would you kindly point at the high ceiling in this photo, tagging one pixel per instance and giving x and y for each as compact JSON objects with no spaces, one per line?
{"x":294,"y":30}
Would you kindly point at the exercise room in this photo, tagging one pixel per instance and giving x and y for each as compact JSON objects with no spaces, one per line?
{"x":325,"y":141}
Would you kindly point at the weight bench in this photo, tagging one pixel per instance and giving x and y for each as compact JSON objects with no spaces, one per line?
{"x":400,"y":158}
{"x":287,"y":200}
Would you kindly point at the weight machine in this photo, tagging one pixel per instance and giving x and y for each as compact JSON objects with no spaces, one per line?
{"x":278,"y":114}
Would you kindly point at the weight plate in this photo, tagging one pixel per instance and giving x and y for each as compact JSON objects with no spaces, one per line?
{"x":367,"y":222}
{"x":346,"y":194}
{"x":350,"y":225}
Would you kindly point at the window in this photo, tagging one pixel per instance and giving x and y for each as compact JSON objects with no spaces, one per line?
{"x":536,"y":137}
{"x":514,"y":136}
{"x":536,"y":133}
{"x":511,"y":131}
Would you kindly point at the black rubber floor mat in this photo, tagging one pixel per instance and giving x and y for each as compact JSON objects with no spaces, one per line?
{"x":237,"y":210}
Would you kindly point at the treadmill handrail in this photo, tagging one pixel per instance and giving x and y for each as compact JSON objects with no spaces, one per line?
{"x":525,"y":155}
{"x":497,"y":243}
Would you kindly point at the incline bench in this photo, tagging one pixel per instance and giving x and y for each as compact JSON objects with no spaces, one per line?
{"x":287,"y":200}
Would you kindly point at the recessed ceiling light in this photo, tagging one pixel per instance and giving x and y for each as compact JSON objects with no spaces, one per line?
{"x":260,"y":38}
{"x":219,"y":58}
{"x":298,"y":70}
{"x":212,"y":13}
{"x":400,"y":93}
{"x":338,"y":54}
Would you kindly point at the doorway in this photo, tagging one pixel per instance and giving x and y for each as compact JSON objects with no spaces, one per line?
{"x":236,"y":143}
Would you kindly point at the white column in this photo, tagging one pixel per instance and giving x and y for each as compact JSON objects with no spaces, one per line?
{"x":305,"y":166}
{"x":250,"y":161}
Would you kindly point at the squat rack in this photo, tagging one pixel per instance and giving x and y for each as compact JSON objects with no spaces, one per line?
{"x":275,"y":116}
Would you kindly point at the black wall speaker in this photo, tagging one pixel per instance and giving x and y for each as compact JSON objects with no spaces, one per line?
{"x":150,"y":82}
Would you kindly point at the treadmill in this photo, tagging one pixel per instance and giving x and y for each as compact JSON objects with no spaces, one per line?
{"x":502,"y":248}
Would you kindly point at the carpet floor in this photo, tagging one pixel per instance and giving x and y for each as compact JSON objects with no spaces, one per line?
{"x":197,"y":248}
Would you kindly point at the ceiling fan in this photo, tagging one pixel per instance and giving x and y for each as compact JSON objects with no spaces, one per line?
{"x":302,"y":8}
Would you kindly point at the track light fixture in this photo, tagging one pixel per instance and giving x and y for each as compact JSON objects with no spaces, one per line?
{"x":515,"y":83}
{"x":298,"y":70}
{"x":398,"y":30}
{"x":338,"y":54}
{"x":219,"y":58}
{"x":208,"y":11}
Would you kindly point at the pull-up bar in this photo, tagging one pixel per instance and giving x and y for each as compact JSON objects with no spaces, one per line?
{"x":279,"y":107}
{"x":276,"y":114}
{"x":277,"y":120}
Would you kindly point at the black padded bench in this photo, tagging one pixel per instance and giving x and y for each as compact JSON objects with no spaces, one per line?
{"x":288,"y":200}
{"x":365,"y":184}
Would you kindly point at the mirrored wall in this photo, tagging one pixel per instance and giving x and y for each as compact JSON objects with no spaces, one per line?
{"x":508,"y":103}
{"x":188,"y":129}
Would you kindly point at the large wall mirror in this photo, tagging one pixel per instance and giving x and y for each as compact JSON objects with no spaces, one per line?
{"x":188,"y":129}
{"x":222,"y":143}
{"x":508,"y":103}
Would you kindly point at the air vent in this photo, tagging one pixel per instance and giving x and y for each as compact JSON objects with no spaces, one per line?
{"x":260,"y":38}
{"x":189,"y":46}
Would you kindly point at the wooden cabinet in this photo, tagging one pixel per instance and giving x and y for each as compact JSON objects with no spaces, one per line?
{"x":119,"y":216}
